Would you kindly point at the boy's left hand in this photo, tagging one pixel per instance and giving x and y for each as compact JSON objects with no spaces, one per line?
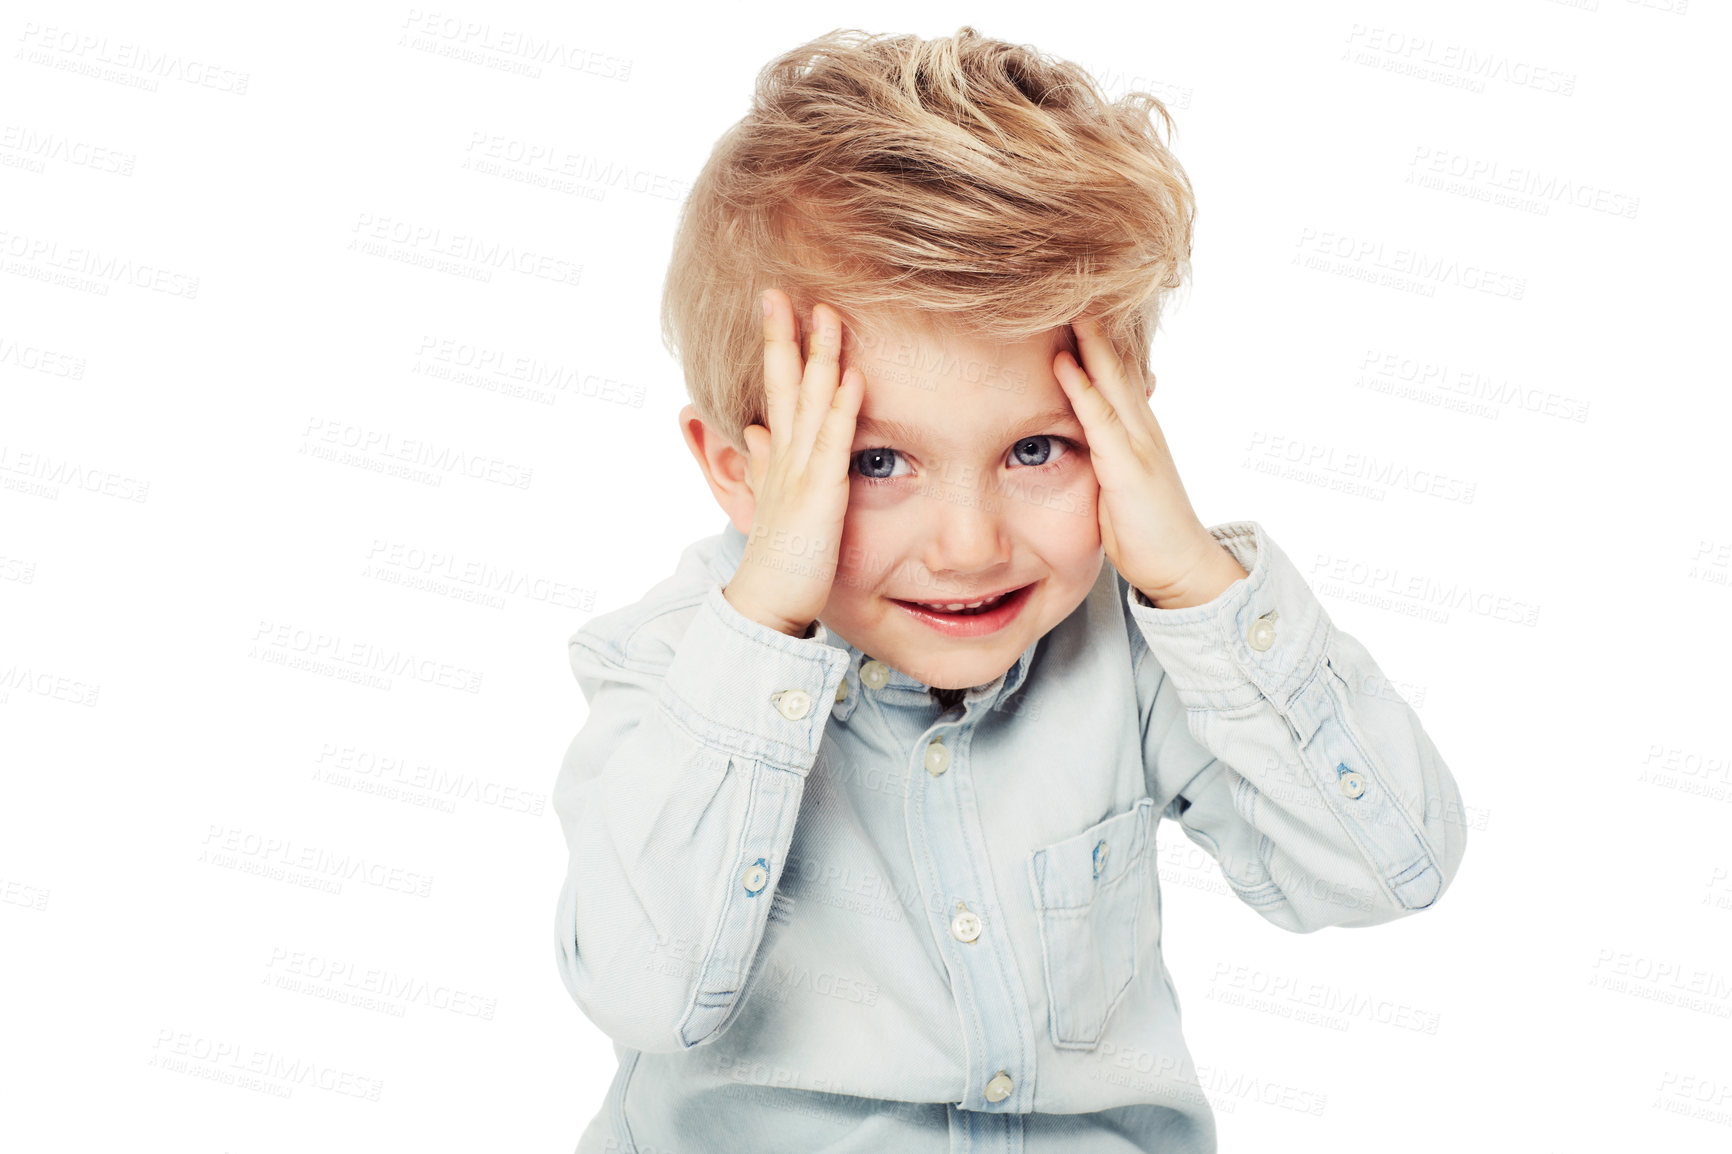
{"x":1151,"y":534}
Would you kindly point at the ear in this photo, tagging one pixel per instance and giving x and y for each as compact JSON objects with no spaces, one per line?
{"x":724,"y":468}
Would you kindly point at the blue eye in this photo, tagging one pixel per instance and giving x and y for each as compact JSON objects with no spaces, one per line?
{"x":1034,"y":446}
{"x":870,"y":461}
{"x":876,"y":466}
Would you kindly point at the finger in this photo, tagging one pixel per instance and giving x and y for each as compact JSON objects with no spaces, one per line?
{"x":1102,"y":362}
{"x":822,"y":374}
{"x":830,"y":450}
{"x":757,"y":440}
{"x":1099,"y":418}
{"x":782,"y":365}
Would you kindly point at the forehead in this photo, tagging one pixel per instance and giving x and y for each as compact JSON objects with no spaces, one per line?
{"x":931,"y":389}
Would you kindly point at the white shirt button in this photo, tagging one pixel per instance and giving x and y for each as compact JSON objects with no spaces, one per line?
{"x":1262,"y":632}
{"x":999,"y":1088}
{"x":874,"y":674}
{"x":1352,"y":784}
{"x":937,"y":757}
{"x":841,"y":690}
{"x":794,"y":704}
{"x":1101,"y":851}
{"x":965,"y":926}
{"x":755,"y":878}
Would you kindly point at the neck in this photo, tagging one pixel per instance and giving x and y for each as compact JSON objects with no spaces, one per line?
{"x":948,"y":698}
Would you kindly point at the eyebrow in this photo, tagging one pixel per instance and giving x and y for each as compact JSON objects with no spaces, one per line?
{"x":903,"y":433}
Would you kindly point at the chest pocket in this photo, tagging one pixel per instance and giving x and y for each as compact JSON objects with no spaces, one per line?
{"x":1087,"y":891}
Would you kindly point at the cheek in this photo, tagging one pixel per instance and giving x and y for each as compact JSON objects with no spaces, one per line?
{"x":861,"y":559}
{"x":1064,"y":511}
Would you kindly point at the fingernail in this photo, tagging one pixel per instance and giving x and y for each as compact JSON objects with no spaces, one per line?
{"x":764,"y":299}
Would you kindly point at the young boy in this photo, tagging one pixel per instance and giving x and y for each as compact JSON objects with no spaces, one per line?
{"x":853,"y":874}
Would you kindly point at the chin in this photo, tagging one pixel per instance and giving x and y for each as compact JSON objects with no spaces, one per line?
{"x":968,"y":680}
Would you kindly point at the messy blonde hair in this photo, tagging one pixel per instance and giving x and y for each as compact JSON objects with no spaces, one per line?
{"x":959,"y":184}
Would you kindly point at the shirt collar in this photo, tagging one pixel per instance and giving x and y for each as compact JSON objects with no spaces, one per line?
{"x":902,"y":687}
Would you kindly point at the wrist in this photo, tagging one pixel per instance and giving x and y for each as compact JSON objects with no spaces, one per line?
{"x":1209,"y":576}
{"x":776,"y":621}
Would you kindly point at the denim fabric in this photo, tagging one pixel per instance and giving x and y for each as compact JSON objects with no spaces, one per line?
{"x":874,"y":924}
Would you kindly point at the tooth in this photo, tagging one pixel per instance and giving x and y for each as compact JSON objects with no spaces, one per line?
{"x":953,"y":606}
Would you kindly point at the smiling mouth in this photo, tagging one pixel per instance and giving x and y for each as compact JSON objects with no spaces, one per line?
{"x":963,"y":608}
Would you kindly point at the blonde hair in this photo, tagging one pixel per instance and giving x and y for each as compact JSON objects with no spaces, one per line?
{"x":959,"y":184}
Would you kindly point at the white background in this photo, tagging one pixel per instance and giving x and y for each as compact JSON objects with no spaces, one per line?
{"x":191,"y":584}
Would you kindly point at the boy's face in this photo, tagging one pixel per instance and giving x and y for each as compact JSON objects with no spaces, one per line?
{"x":969,"y":475}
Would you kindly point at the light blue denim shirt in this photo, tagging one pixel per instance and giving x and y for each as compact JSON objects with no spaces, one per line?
{"x":817,"y":912}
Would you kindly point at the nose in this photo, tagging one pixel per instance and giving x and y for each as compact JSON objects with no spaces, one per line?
{"x":969,"y":539}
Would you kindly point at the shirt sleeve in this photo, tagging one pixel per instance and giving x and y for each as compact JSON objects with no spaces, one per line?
{"x":1276,"y":742}
{"x":678,"y":799}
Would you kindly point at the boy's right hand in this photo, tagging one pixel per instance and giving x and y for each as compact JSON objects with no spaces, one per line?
{"x":799,"y":471}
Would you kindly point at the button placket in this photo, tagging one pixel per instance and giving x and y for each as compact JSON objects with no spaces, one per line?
{"x":986,"y":972}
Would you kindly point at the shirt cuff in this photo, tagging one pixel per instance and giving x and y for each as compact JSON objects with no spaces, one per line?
{"x":760,"y":693}
{"x":1265,"y":634}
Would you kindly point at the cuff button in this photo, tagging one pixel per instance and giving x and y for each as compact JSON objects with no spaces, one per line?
{"x":1352,"y":784}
